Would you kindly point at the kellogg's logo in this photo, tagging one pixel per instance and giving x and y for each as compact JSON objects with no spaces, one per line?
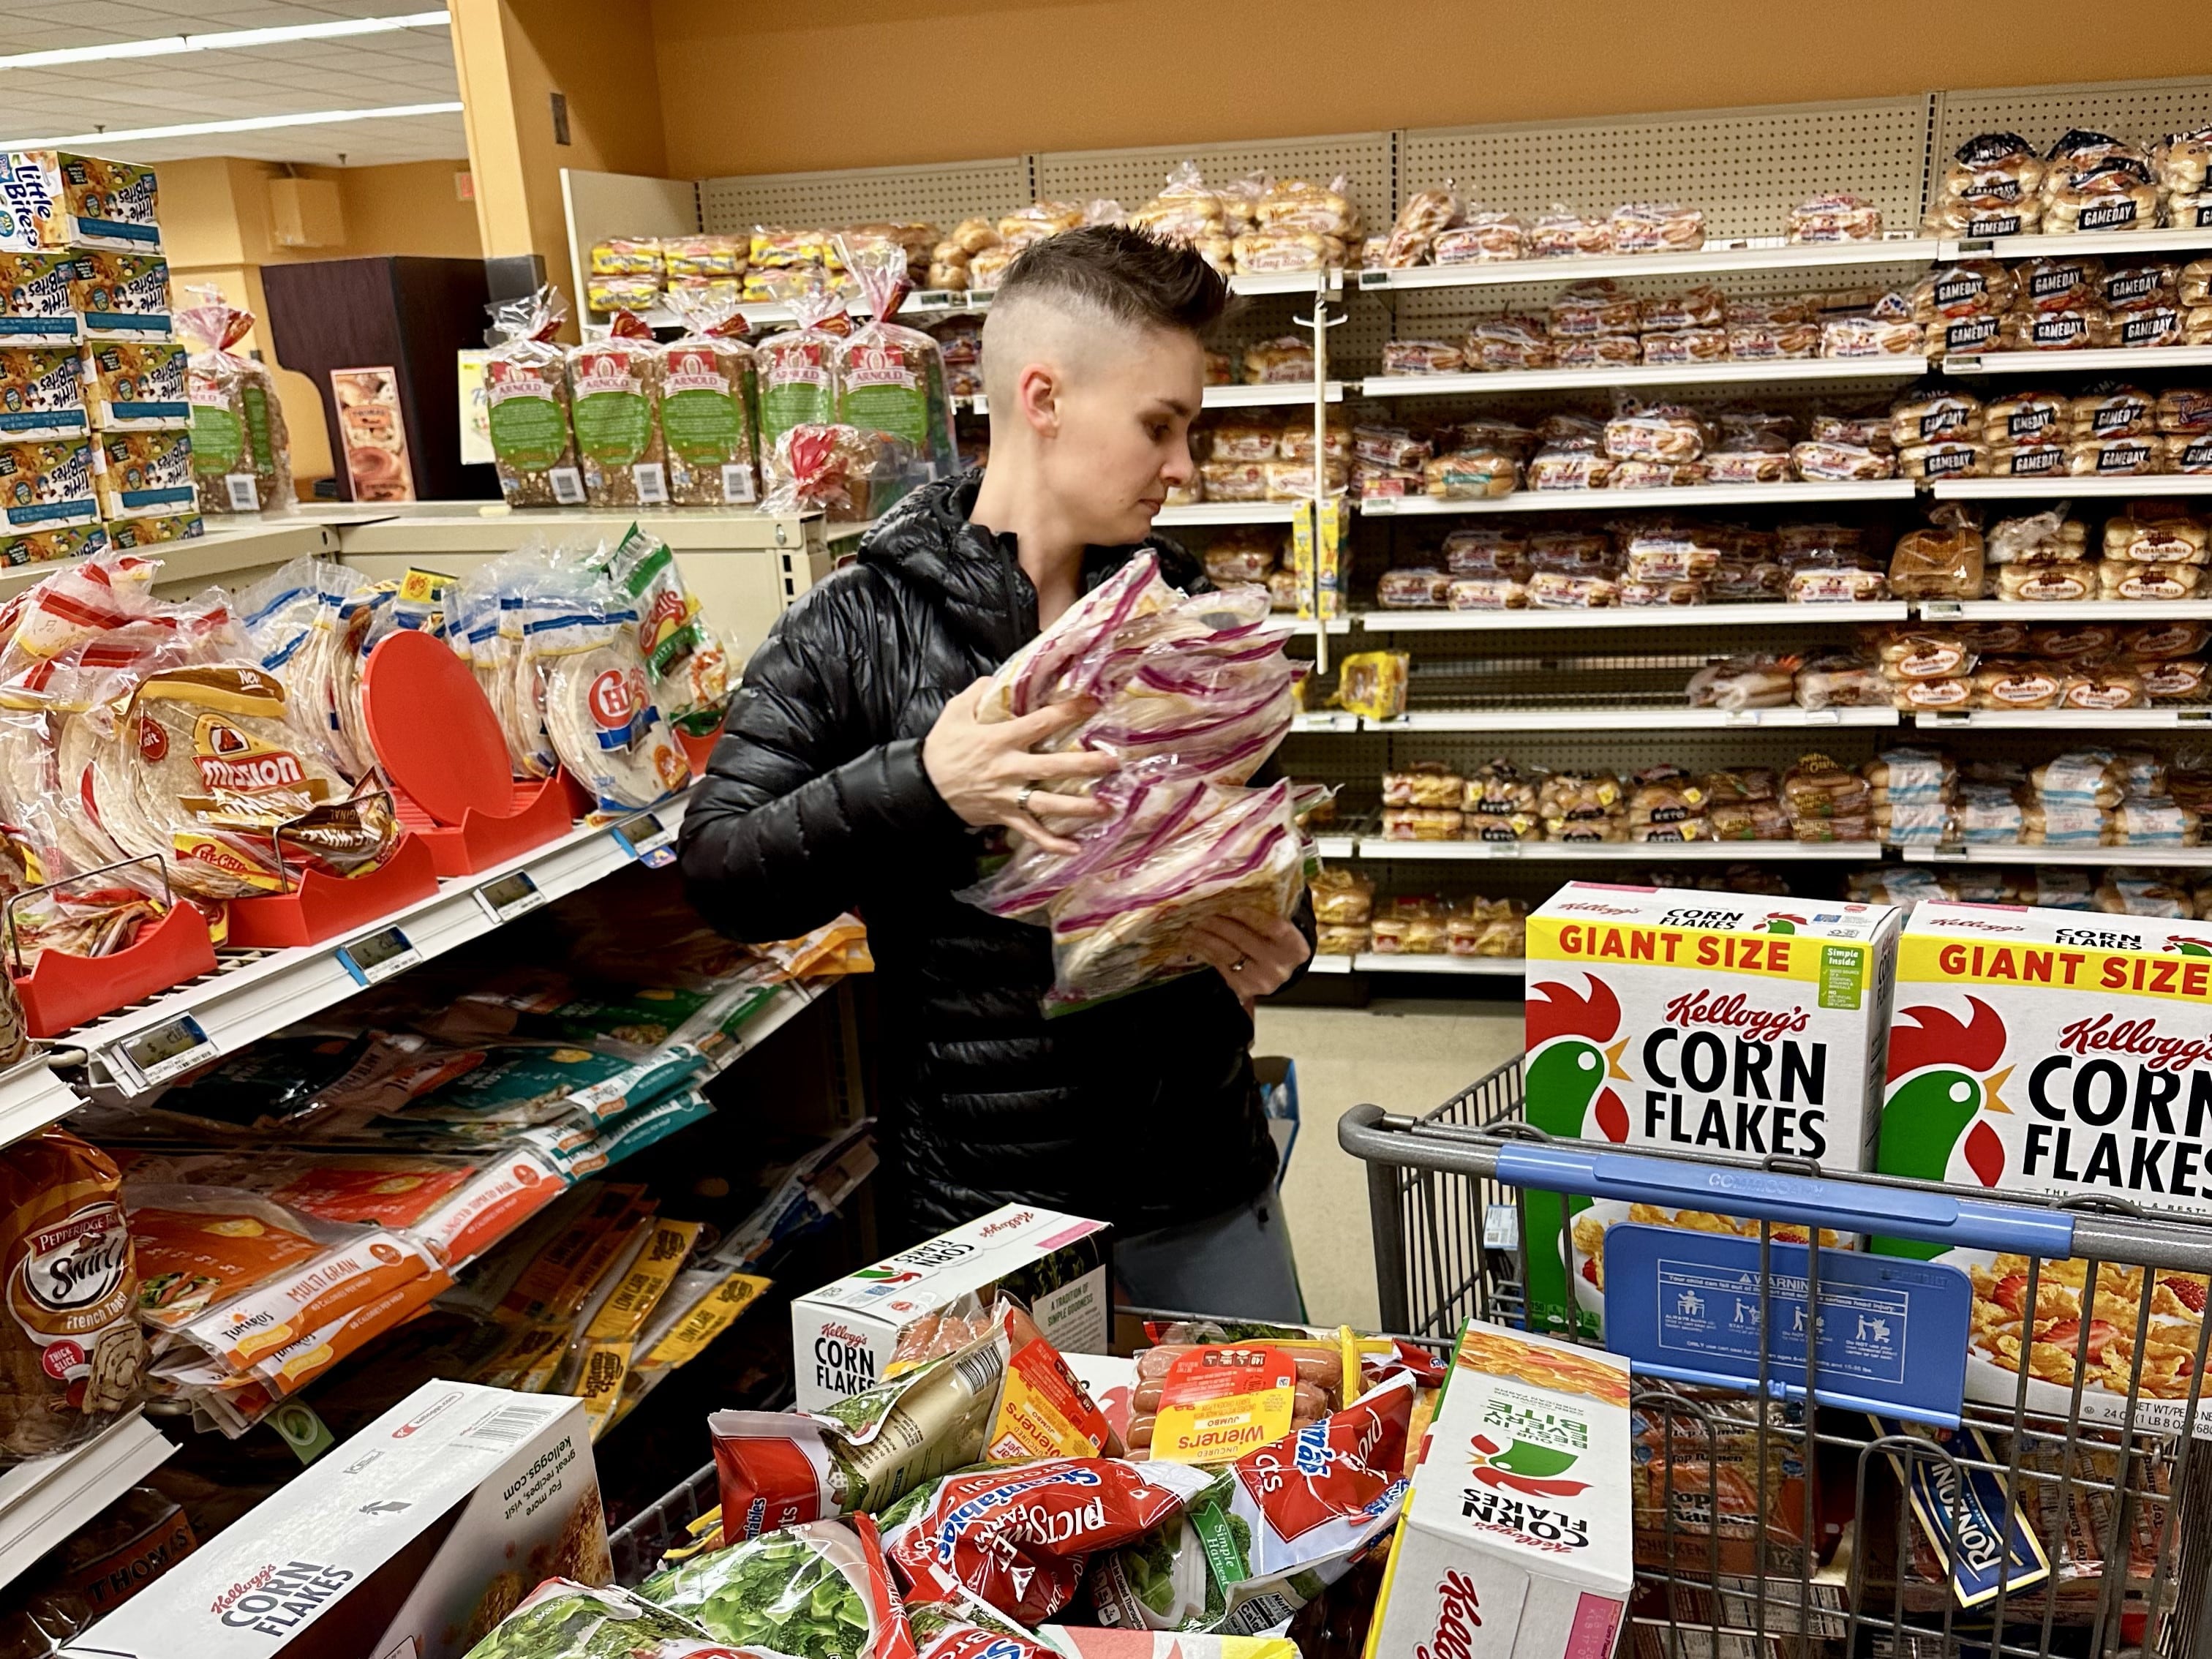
{"x":1457,"y":1619}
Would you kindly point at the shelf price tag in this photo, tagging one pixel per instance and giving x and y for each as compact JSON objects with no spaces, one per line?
{"x":1503,"y":850}
{"x":1501,"y":1227}
{"x":1375,"y":278}
{"x":647,"y":839}
{"x":1824,"y":717}
{"x":1932,"y":609}
{"x":1379,"y":504}
{"x":509,"y":897}
{"x":1739,"y":717}
{"x":376,"y":957}
{"x":169,"y":1049}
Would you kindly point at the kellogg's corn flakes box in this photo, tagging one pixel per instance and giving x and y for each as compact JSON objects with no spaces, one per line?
{"x":1700,"y":1023}
{"x":2068,"y":1053}
{"x":1517,"y":1537}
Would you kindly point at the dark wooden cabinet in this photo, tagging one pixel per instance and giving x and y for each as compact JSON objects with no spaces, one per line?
{"x":410,"y":314}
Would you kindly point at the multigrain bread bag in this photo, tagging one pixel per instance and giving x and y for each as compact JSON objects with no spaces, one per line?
{"x":891,"y":378}
{"x":797,"y":369}
{"x":615,"y":388}
{"x":709,"y":396}
{"x":526,"y":398}
{"x":72,"y":1354}
{"x":241,"y":452}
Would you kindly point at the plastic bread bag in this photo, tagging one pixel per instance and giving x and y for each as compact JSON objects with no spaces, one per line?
{"x":684,"y":660}
{"x":1111,"y":936}
{"x":864,"y":1452}
{"x":1149,"y":803}
{"x":563,"y":1620}
{"x":797,"y":369}
{"x":1036,"y":675}
{"x":819,"y":1590}
{"x":1835,"y":216}
{"x":527,"y":400}
{"x":841,"y":472}
{"x":1745,"y":682}
{"x":611,"y":732}
{"x":709,"y":399}
{"x":242,"y":451}
{"x":891,"y":378}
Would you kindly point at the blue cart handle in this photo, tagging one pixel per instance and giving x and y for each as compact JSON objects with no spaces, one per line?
{"x":1843,"y":1206}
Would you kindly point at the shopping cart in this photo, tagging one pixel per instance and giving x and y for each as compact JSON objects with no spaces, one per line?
{"x":1776,"y":1517}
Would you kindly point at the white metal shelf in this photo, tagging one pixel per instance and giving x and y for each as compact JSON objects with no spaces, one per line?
{"x":2100,"y":361}
{"x":2191,"y":857}
{"x":1336,"y":846}
{"x":1782,"y":372}
{"x":1328,"y":720}
{"x":1297,"y":395}
{"x":2114,"y":611}
{"x":1230,"y":512}
{"x":2153,"y":718}
{"x":2021,"y":490}
{"x":1257,"y":284}
{"x":43,"y":1502}
{"x":1706,"y":262}
{"x":1632,"y":719}
{"x":1647,"y":500}
{"x":236,"y":1004}
{"x":1615,"y":852}
{"x":1330,"y":964}
{"x":2082,"y":246}
{"x":1633,"y":617}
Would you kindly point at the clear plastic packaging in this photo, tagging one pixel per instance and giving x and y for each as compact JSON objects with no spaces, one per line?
{"x":708,"y":396}
{"x":891,"y":378}
{"x":242,"y":451}
{"x":527,"y":402}
{"x":797,"y":369}
{"x":615,"y":388}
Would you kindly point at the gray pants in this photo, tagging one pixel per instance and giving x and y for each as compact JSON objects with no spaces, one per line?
{"x":1236,"y":1264}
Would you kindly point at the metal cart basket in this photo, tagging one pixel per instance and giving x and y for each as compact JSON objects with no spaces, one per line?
{"x":2069,"y":1513}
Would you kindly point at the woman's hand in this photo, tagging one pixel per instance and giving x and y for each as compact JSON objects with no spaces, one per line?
{"x":987,"y":775}
{"x":1255,"y":959}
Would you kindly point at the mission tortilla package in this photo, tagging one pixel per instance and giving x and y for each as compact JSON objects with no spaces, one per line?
{"x":2059,"y":1052}
{"x":852,"y":1334}
{"x":1703,"y":1022}
{"x":1517,"y":1539}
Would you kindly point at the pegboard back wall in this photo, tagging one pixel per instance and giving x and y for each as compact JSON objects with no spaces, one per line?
{"x":1746,"y":167}
{"x":2138,"y":111}
{"x":942,"y":195}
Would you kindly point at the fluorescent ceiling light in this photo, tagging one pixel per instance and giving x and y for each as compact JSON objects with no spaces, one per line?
{"x":228,"y":39}
{"x":249,"y":124}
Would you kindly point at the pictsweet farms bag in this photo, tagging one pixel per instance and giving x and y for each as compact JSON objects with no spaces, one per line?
{"x":241,"y":450}
{"x":72,"y":1354}
{"x":615,"y":391}
{"x":527,"y":402}
{"x":817,"y":1591}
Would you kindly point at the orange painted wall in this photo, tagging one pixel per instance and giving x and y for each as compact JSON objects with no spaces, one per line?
{"x":747,"y":86}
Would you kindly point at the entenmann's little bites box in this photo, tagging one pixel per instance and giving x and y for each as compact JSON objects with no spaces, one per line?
{"x":1517,"y":1539}
{"x":1697,"y":1022}
{"x":2064,"y":1053}
{"x":844,"y":1335}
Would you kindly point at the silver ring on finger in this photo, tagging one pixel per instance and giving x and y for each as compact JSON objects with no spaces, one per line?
{"x":1022,"y":797}
{"x":1240,"y":964}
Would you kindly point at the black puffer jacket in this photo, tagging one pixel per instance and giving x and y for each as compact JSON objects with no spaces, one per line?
{"x":1142,"y":1111}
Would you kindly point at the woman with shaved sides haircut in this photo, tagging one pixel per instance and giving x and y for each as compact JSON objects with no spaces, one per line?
{"x":854,"y":774}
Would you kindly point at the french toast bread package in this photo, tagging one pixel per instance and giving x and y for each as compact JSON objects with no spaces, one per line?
{"x":709,"y":405}
{"x":2046,"y":1052}
{"x":615,"y":391}
{"x":242,"y":451}
{"x":890,"y":377}
{"x":527,"y":404}
{"x":1672,"y":1018}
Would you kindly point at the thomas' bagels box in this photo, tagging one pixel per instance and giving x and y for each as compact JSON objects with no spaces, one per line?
{"x":413,"y":1538}
{"x":1517,"y":1540}
{"x":2068,"y":1053}
{"x":845,"y":1337}
{"x":1701,"y":1023}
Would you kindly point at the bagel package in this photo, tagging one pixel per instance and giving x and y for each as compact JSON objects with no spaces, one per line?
{"x":241,"y":452}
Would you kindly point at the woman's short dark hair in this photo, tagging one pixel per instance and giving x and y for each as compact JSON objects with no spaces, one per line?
{"x":1133,"y":275}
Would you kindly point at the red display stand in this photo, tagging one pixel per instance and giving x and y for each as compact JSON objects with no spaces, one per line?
{"x":62,"y":990}
{"x":325,"y":906}
{"x":440,"y":745}
{"x":698,"y":750}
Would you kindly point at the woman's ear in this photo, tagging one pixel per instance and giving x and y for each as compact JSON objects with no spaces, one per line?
{"x":1039,"y":392}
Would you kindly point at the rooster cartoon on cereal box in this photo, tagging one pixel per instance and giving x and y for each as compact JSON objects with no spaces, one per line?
{"x":2062,"y":1055}
{"x":1704,"y":1023}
